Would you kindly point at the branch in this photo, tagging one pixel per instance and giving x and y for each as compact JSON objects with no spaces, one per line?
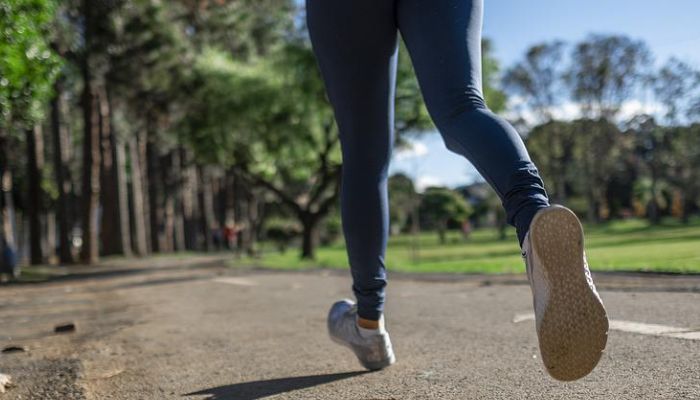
{"x":329,"y":177}
{"x":326,"y":205}
{"x":328,"y":174}
{"x":259,"y":181}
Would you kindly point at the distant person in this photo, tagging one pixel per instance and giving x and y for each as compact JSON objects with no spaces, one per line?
{"x":355,"y":43}
{"x":8,"y":261}
{"x":217,"y":237}
{"x":230,"y":236}
{"x":466,"y":228}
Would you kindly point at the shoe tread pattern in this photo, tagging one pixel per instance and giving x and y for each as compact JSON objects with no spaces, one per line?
{"x":573,"y":330}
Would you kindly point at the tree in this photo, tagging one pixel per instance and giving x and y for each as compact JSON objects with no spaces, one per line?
{"x":61,"y":157}
{"x":604,"y":72}
{"x":28,"y":68}
{"x":441,"y":205}
{"x":685,"y":166}
{"x":495,"y":98}
{"x":551,"y":145}
{"x":35,"y":164}
{"x":539,"y":78}
{"x":244,"y":28}
{"x":290,"y":148}
{"x":494,"y":203}
{"x":403,"y":200}
{"x":148,"y":62}
{"x":410,"y":112}
{"x":676,"y":86}
{"x":95,"y":27}
{"x":653,"y":148}
{"x":598,"y":146}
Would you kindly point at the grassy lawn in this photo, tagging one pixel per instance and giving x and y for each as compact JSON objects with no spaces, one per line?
{"x":631,"y":245}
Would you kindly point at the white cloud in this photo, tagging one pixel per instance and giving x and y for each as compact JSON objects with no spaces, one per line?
{"x":635,"y":107}
{"x":569,"y":110}
{"x":412,"y":150}
{"x":425,"y":181}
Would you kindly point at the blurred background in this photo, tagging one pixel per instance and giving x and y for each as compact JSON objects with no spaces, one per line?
{"x":131,"y":128}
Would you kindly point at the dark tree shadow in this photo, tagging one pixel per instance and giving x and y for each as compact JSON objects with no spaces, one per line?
{"x":259,"y":389}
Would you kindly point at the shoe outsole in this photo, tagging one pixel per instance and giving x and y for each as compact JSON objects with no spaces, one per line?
{"x":573,"y":331}
{"x":370,"y":366}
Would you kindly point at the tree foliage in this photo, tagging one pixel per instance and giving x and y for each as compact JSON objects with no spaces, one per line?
{"x":28,"y":65}
{"x":605,"y":70}
{"x":439,"y":206}
{"x":539,"y":78}
{"x":403,"y":199}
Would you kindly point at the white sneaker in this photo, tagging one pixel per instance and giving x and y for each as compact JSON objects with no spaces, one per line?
{"x":572,"y":325}
{"x":372,"y":347}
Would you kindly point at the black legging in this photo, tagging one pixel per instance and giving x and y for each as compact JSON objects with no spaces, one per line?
{"x":355,"y":42}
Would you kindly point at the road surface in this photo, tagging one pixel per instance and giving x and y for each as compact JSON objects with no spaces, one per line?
{"x":179,"y":332}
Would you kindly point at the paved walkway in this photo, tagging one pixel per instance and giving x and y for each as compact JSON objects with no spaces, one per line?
{"x":175,"y":332}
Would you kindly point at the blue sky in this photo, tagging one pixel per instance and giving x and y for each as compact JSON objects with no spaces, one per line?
{"x":670,"y":28}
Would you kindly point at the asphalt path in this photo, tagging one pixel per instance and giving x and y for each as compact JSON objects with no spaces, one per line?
{"x":217,"y":333}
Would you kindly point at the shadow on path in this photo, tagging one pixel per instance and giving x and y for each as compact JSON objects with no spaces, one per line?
{"x":106,"y":271}
{"x":259,"y":389}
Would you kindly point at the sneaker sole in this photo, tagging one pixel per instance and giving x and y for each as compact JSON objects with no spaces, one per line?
{"x":371,"y":366}
{"x":573,"y":331}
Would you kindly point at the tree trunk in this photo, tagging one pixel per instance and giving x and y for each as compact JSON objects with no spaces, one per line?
{"x":239,"y":209}
{"x":442,"y":227}
{"x":22,"y":237}
{"x":501,"y":223}
{"x":560,"y":186}
{"x":561,"y":167}
{"x":35,"y":164}
{"x":8,"y":210}
{"x":142,"y":142}
{"x":221,"y":194}
{"x":190,"y":203}
{"x":206,"y":208}
{"x":91,"y":148}
{"x":109,"y":227}
{"x":592,"y":206}
{"x":155,"y":192}
{"x":653,"y":206}
{"x":91,"y":174}
{"x":169,"y":194}
{"x":415,"y":228}
{"x":137,"y":199}
{"x":227,"y":219}
{"x":178,"y":218}
{"x":687,"y":206}
{"x":51,"y":244}
{"x":115,"y":233}
{"x":253,"y":219}
{"x":123,"y":195}
{"x":61,"y":151}
{"x":309,"y":223}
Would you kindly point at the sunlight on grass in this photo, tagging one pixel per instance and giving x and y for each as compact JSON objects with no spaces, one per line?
{"x":631,"y":245}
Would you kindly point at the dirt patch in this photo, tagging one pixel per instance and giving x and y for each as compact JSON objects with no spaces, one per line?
{"x":43,"y":378}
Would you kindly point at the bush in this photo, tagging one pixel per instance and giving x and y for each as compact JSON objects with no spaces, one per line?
{"x":331,"y":230}
{"x":281,"y":232}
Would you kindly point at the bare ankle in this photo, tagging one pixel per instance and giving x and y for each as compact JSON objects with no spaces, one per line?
{"x":367,"y":323}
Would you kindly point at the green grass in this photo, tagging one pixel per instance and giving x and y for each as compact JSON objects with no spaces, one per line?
{"x":631,"y":245}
